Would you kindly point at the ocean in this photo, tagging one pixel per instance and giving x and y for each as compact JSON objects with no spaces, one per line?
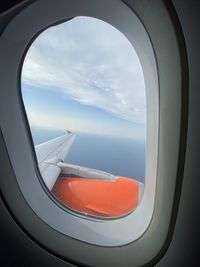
{"x":119,"y":156}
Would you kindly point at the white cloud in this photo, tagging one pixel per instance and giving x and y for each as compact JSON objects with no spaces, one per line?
{"x":90,"y":62}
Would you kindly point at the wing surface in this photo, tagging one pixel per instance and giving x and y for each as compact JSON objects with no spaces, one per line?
{"x":89,"y":191}
{"x":50,"y":153}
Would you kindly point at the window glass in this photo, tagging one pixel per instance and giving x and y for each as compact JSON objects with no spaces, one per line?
{"x":84,"y":94}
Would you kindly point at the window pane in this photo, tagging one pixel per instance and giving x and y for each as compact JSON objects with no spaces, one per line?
{"x":84,"y":94}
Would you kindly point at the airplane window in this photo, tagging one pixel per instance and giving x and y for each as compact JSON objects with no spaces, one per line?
{"x":84,"y":94}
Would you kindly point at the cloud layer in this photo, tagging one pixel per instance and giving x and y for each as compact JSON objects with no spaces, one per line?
{"x":91,"y":62}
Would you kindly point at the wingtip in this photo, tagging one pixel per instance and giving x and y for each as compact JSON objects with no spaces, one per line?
{"x":68,"y":131}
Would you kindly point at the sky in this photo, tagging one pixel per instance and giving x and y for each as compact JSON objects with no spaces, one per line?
{"x":85,"y":76}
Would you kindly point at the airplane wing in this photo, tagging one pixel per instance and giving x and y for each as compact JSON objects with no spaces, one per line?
{"x":50,"y":157}
{"x":50,"y":153}
{"x":89,"y":191}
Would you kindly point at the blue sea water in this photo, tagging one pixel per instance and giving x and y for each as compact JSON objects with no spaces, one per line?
{"x":119,"y":156}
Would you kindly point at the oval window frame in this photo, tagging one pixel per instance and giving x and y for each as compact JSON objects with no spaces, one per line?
{"x":122,"y":228}
{"x":168,"y":151}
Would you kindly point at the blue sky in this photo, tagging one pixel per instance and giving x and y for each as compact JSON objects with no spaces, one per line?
{"x":85,"y":76}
